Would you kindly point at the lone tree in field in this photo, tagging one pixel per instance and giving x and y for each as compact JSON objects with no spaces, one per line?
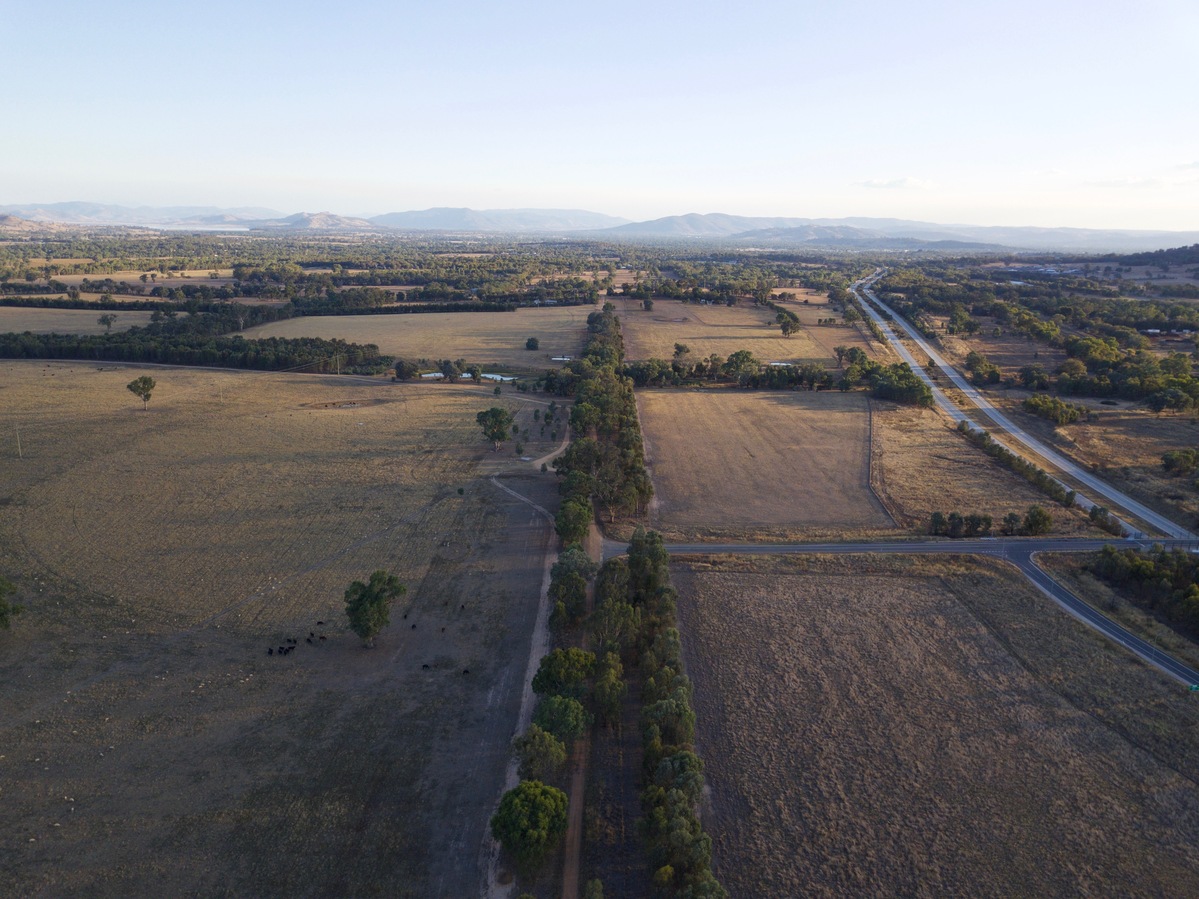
{"x":496,"y":424}
{"x":107,"y":320}
{"x":7,"y":609}
{"x":368,"y":605}
{"x":532,"y":344}
{"x":530,"y":820}
{"x":142,"y":388}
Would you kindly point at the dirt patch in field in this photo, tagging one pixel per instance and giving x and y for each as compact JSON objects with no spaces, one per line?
{"x":491,"y":339}
{"x":149,"y":743}
{"x":922,"y":466}
{"x":906,"y":727}
{"x":65,"y":321}
{"x":737,"y":464}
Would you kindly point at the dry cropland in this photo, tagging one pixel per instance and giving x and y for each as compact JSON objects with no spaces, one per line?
{"x":65,"y":321}
{"x":149,"y":744}
{"x":882,"y":726}
{"x":870,"y":725}
{"x":490,"y":339}
{"x":749,"y":464}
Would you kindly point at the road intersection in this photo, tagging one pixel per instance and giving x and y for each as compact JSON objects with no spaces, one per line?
{"x":1020,"y":552}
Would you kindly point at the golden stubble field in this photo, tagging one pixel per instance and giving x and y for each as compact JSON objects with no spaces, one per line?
{"x":148,"y":743}
{"x":712,"y":329}
{"x":491,"y":339}
{"x":881,"y":726}
{"x":65,"y":321}
{"x":921,"y":466}
{"x":756,"y":464}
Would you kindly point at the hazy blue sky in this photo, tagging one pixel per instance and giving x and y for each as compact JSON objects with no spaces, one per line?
{"x":1053,"y":112}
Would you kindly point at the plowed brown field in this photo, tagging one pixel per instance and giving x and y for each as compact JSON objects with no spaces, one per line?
{"x":890,"y":726}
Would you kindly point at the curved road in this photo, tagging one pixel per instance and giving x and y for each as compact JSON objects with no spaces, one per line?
{"x":1020,"y":552}
{"x":1009,"y":428}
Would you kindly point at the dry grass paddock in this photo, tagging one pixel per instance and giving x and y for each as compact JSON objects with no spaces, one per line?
{"x":65,"y":321}
{"x":712,"y":329}
{"x":1011,"y":350}
{"x":1125,"y":446}
{"x":922,"y":466}
{"x":148,"y":743}
{"x":829,"y":336}
{"x":179,"y":279}
{"x":878,"y":726}
{"x":739,"y":464}
{"x":491,"y":339}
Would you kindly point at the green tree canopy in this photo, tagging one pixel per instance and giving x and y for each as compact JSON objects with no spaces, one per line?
{"x":564,"y":672}
{"x":539,"y":753}
{"x":496,"y":424}
{"x":368,"y":605}
{"x":530,"y":820}
{"x":142,"y":388}
{"x":406,"y":370}
{"x":1037,"y":521}
{"x":563,"y":717}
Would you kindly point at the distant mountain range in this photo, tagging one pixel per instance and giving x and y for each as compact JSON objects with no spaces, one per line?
{"x":855,"y":233}
{"x":105,"y":214}
{"x":510,"y":220}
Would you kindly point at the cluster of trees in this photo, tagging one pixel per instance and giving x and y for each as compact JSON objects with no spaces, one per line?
{"x":1036,"y":521}
{"x":896,"y":382}
{"x":982,"y":370}
{"x":1108,"y":353}
{"x":1056,"y":410}
{"x":1165,"y":581}
{"x":604,"y":466}
{"x":635,"y":619}
{"x":1021,"y":466}
{"x":957,"y":525}
{"x":1181,"y":462}
{"x":1102,"y":518}
{"x":1098,"y":366}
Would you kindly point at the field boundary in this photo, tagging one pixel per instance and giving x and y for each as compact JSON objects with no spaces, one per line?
{"x":871,"y":467}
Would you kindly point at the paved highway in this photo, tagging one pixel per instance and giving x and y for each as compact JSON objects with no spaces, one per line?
{"x":1110,"y":494}
{"x":1020,"y":552}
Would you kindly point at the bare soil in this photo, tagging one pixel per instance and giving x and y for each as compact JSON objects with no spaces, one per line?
{"x":899,"y":726}
{"x":149,"y":745}
{"x":742,"y":464}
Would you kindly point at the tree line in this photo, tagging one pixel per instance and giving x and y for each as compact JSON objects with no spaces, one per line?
{"x":202,"y":339}
{"x":604,"y":466}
